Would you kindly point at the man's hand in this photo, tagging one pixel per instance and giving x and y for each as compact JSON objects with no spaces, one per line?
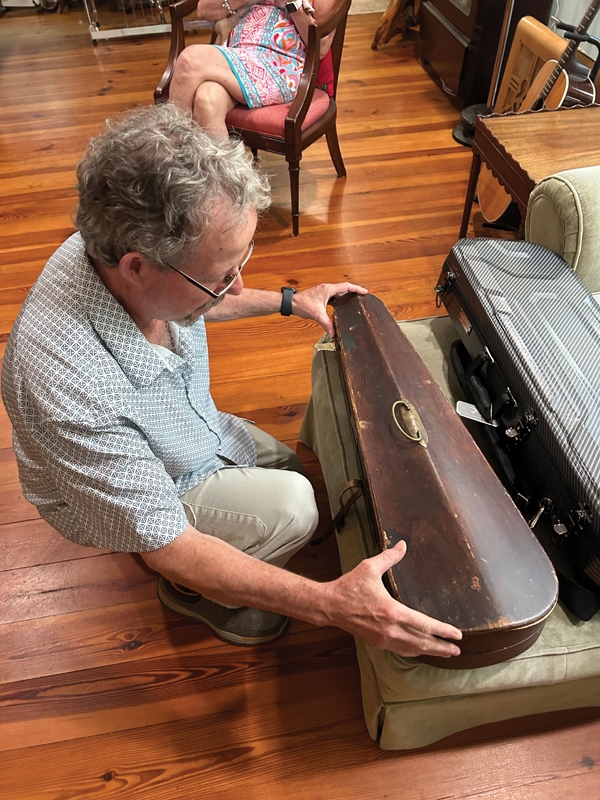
{"x":361,"y":605}
{"x":312,"y":303}
{"x":357,"y":602}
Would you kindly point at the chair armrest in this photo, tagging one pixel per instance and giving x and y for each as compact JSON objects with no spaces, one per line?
{"x":335,"y":20}
{"x":563,"y":214}
{"x":178,"y":12}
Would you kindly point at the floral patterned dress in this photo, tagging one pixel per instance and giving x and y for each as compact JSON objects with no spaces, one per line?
{"x":266,"y":54}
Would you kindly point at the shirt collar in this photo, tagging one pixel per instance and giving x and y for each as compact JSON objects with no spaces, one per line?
{"x":120,"y":334}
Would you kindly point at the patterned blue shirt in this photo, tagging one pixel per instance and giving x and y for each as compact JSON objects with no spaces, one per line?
{"x":107,"y":435}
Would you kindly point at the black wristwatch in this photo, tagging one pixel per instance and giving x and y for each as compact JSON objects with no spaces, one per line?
{"x":287,"y":295}
{"x":293,"y":5}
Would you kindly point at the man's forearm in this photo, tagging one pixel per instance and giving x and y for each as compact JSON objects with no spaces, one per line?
{"x":226,"y":575}
{"x":309,"y":303}
{"x":250,"y":303}
{"x":357,"y":602}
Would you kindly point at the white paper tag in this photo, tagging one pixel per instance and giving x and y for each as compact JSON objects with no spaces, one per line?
{"x":469,"y":411}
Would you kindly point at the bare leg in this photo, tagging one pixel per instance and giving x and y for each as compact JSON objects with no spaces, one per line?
{"x":204,"y":84}
{"x":212,"y":103}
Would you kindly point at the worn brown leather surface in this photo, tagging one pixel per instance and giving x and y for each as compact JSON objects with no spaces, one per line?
{"x":472,"y":560}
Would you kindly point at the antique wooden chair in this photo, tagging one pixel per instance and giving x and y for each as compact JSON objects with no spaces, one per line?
{"x":289,"y":128}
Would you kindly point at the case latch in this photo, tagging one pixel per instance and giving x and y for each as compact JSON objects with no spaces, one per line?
{"x":579,"y":518}
{"x":442,"y":288}
{"x":521,"y":430}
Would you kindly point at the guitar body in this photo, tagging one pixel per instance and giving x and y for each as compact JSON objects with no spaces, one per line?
{"x":558,"y":91}
{"x":494,"y":200}
{"x":579,"y":93}
{"x":570,"y":89}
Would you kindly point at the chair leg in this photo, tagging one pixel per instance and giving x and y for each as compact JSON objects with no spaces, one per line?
{"x":294,"y":168}
{"x":335,"y":152}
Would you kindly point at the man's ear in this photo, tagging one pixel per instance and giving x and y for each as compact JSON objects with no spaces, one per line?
{"x":133,"y":268}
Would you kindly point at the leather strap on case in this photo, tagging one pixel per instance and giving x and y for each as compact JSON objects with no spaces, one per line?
{"x":337,"y":523}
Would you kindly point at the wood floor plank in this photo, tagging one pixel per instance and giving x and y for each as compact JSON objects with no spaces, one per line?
{"x":5,"y":426}
{"x":201,"y":756}
{"x":139,"y":693}
{"x":98,"y":637}
{"x":34,"y":543}
{"x":67,"y":586}
{"x":316,"y":755}
{"x":282,"y":422}
{"x":48,"y":645}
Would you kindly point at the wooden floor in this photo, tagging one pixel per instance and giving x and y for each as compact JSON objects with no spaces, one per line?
{"x":106,"y":693}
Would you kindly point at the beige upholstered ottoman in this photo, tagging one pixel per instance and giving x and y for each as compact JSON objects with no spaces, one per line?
{"x":408,"y":704}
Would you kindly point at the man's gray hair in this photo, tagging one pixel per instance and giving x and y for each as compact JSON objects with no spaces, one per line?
{"x":151,"y":181}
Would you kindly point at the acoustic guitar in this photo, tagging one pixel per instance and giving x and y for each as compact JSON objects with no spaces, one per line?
{"x":565,"y":82}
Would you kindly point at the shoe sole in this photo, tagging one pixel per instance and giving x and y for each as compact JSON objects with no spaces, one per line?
{"x":230,"y":638}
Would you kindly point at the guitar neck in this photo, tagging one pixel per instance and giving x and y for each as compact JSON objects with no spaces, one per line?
{"x":570,"y":48}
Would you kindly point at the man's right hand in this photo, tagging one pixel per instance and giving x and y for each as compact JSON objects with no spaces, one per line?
{"x":360,"y":604}
{"x":357,"y":602}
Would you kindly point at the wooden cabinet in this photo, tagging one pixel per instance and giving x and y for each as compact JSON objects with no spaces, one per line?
{"x":458,"y":40}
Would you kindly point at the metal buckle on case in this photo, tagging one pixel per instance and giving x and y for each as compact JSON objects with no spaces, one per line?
{"x":522,"y":429}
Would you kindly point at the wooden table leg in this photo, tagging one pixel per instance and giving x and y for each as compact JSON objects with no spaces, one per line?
{"x":474,"y":175}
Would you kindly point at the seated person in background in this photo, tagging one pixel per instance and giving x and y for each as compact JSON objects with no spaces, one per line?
{"x":106,"y":382}
{"x":261,"y":65}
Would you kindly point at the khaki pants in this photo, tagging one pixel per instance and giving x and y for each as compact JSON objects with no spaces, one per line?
{"x":268,"y":511}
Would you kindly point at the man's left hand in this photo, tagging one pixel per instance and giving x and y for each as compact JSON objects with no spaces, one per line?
{"x":312,"y":303}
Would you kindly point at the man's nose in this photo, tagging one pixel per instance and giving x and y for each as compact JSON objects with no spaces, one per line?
{"x":237,"y":286}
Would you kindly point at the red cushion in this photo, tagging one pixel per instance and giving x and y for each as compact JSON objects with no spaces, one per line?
{"x":270,"y":119}
{"x":325,"y":73}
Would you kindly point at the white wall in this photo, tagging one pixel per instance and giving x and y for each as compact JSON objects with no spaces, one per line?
{"x":572,"y":11}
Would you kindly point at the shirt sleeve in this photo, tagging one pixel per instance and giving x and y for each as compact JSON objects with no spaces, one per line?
{"x":115,"y":493}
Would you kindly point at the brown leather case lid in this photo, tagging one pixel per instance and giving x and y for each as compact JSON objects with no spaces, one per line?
{"x":472,"y":560}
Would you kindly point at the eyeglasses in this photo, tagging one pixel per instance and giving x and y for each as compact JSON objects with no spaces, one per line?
{"x":228,"y":281}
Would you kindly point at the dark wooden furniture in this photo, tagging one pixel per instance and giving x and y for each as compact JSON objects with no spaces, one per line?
{"x":522,"y":148}
{"x":472,"y":560}
{"x":290,"y":128}
{"x":399,"y":16}
{"x":458,"y":40}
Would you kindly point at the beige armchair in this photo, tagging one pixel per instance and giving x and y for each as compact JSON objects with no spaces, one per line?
{"x":564,"y":215}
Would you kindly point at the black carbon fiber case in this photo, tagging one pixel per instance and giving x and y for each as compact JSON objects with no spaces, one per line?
{"x":532,"y":332}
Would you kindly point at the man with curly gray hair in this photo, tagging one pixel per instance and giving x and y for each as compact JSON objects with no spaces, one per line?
{"x":106,"y":382}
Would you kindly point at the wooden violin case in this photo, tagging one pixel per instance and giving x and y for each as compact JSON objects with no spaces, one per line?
{"x":472,"y":560}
